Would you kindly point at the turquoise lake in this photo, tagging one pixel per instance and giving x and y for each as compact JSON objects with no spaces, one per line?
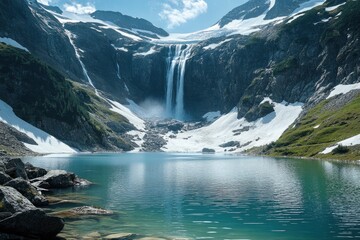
{"x":218,"y":197}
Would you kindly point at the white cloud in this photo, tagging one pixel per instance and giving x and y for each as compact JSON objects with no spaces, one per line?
{"x":79,"y":8}
{"x":177,"y":12}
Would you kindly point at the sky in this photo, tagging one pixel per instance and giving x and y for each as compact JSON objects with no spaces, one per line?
{"x":175,"y":16}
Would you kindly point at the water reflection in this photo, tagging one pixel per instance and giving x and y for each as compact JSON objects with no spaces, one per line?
{"x":220,"y":196}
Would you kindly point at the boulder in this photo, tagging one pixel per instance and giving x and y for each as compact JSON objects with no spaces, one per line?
{"x":32,"y":223}
{"x":28,"y":191}
{"x":4,"y":178}
{"x":175,"y":126}
{"x":15,"y":168}
{"x":208,"y":150}
{"x":13,"y":201}
{"x":41,"y":185}
{"x":58,"y":179}
{"x":34,"y":172}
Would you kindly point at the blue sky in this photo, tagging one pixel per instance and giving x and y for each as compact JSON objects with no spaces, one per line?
{"x":172,"y":15}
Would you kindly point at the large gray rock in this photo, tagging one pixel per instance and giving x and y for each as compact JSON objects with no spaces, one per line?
{"x":13,"y":201}
{"x":34,"y":172}
{"x":15,"y":168}
{"x":32,"y":223}
{"x":28,"y":191}
{"x":58,"y":179}
{"x":4,"y":178}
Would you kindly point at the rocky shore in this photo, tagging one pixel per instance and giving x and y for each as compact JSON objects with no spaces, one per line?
{"x":22,"y":188}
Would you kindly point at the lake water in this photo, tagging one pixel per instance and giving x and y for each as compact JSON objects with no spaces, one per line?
{"x":215,"y":196}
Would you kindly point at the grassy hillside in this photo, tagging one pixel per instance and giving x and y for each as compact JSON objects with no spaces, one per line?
{"x":329,"y":122}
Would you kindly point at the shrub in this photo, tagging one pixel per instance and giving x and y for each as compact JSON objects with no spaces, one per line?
{"x":340,"y":150}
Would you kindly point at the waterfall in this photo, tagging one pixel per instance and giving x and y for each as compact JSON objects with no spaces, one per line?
{"x":70,"y":36}
{"x":175,"y":78}
{"x":118,"y":71}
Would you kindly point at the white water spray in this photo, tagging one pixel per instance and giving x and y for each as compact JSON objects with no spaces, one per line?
{"x":176,"y":61}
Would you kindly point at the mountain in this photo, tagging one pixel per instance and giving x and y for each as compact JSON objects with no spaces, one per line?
{"x":140,"y":25}
{"x":267,"y":9}
{"x":261,"y":68}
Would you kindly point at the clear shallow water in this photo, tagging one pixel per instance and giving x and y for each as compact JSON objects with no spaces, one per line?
{"x":216,"y":196}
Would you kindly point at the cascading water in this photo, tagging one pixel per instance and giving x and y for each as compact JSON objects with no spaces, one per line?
{"x":175,"y":78}
{"x":70,"y":36}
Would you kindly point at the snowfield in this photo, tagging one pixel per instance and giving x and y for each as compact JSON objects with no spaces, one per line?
{"x":45,"y":142}
{"x":347,"y":142}
{"x":13,"y":43}
{"x":228,"y":128}
{"x":215,"y":45}
{"x":343,"y":89}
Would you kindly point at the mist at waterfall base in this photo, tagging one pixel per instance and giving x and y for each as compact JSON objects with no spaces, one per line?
{"x":153,"y":109}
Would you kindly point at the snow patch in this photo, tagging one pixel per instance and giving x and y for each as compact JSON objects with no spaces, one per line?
{"x":45,"y":142}
{"x":347,"y":142}
{"x":127,"y":113}
{"x":120,"y":48}
{"x":151,"y":51}
{"x":308,"y":6}
{"x":317,"y":126}
{"x":329,"y":9}
{"x":228,"y":128}
{"x":125,"y":34}
{"x":295,"y":17}
{"x":68,"y":17}
{"x":13,"y":43}
{"x":343,"y":89}
{"x":215,"y":45}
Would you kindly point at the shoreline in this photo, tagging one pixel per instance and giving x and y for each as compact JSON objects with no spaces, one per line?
{"x":357,"y":162}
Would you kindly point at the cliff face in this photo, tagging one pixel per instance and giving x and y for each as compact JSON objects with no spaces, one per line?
{"x":44,"y":36}
{"x":298,"y":60}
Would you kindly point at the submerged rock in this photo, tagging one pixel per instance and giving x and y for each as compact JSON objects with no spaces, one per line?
{"x":121,"y":236}
{"x":28,"y":191}
{"x":92,"y":236}
{"x":152,"y":238}
{"x":85,"y":211}
{"x":32,"y":223}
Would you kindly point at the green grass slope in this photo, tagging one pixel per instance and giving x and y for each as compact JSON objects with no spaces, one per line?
{"x":329,"y":122}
